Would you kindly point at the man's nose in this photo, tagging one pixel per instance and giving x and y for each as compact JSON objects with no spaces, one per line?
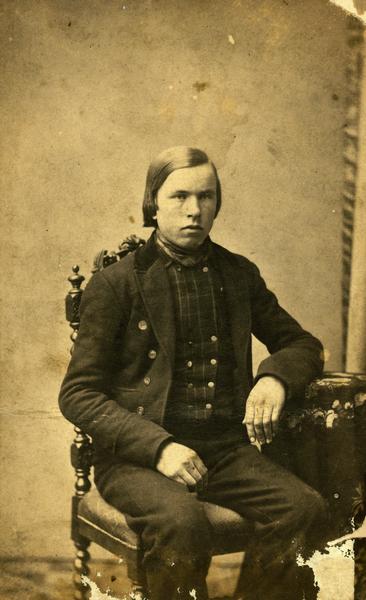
{"x":192,"y":206}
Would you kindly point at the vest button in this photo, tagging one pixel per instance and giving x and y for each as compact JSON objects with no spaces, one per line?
{"x":152,"y":354}
{"x":211,"y":384}
{"x":208,"y":406}
{"x":213,"y":361}
{"x":140,"y":410}
{"x":179,"y":268}
{"x":213,"y":338}
{"x":147,"y":380}
{"x":190,"y":385}
{"x":189,"y":363}
{"x":205,"y":269}
{"x":142,"y":325}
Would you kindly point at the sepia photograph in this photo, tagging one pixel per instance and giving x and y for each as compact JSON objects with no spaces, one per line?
{"x":183,"y":317}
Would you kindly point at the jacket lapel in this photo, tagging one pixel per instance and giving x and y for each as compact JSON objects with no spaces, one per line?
{"x":238,"y":305}
{"x":153,"y":284}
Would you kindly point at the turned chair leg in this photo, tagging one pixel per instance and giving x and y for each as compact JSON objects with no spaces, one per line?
{"x":81,"y":452}
{"x":81,"y":567}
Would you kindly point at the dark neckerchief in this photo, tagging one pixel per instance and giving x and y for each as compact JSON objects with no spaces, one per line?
{"x":184,"y":256}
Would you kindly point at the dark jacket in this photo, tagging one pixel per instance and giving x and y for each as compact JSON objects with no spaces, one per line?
{"x":116,"y":389}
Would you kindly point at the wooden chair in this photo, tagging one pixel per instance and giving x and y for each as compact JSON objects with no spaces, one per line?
{"x":331,"y":401}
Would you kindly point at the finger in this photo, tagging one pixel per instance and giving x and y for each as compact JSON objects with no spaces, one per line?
{"x":196,"y":476}
{"x":258,"y":425}
{"x":179,"y":479}
{"x":275,"y":420}
{"x":267,"y":424}
{"x":251,"y":433}
{"x":187,"y":477}
{"x":249,"y":422}
{"x":201,"y":467}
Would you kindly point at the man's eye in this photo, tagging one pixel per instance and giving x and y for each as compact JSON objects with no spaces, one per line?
{"x":206,"y":195}
{"x":180,"y":196}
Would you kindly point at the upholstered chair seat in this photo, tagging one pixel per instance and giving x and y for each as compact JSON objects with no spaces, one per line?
{"x":99,"y":519}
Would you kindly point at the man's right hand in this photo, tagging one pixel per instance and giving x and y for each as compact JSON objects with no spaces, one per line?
{"x":182,"y":464}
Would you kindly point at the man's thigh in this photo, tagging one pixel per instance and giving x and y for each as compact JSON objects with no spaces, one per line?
{"x":170,"y":519}
{"x":258,"y":488}
{"x":138,"y":490}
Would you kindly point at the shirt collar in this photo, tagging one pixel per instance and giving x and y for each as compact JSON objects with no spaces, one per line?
{"x":168,"y":261}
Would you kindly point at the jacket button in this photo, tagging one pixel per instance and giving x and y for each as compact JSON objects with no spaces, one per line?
{"x":213,"y":338}
{"x":208,"y":406}
{"x":190,"y":385}
{"x":140,"y":410}
{"x":147,"y":380}
{"x":205,"y":269}
{"x":152,"y":354}
{"x":211,"y":384}
{"x":142,"y":325}
{"x":213,"y":361}
{"x":189,"y":363}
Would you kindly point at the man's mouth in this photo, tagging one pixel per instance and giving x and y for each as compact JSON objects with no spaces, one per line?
{"x":193,"y":227}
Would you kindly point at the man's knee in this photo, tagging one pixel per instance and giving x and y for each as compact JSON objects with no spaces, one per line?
{"x":181,"y":529}
{"x":307,"y":514}
{"x":187,"y":522}
{"x":312,"y":506}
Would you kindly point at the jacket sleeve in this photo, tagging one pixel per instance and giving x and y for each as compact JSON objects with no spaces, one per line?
{"x":296,"y":357}
{"x":85,"y":392}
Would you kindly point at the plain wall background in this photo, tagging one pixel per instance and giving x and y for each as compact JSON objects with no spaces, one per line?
{"x":91,"y":91}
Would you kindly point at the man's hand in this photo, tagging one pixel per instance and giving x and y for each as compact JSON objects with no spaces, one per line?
{"x":182,"y":464}
{"x":264,"y":405}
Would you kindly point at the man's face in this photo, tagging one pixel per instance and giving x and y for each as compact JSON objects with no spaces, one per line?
{"x":186,"y":205}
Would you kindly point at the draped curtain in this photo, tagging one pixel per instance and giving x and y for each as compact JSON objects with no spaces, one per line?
{"x":354,"y":207}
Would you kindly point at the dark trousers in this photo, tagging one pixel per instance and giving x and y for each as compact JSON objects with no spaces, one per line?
{"x":287,"y":516}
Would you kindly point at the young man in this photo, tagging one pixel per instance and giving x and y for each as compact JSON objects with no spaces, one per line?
{"x":161,"y":378}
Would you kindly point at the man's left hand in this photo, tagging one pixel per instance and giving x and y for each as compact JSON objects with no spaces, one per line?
{"x":264,"y":406}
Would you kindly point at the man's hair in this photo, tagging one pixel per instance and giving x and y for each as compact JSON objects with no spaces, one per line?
{"x":179,"y":157}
